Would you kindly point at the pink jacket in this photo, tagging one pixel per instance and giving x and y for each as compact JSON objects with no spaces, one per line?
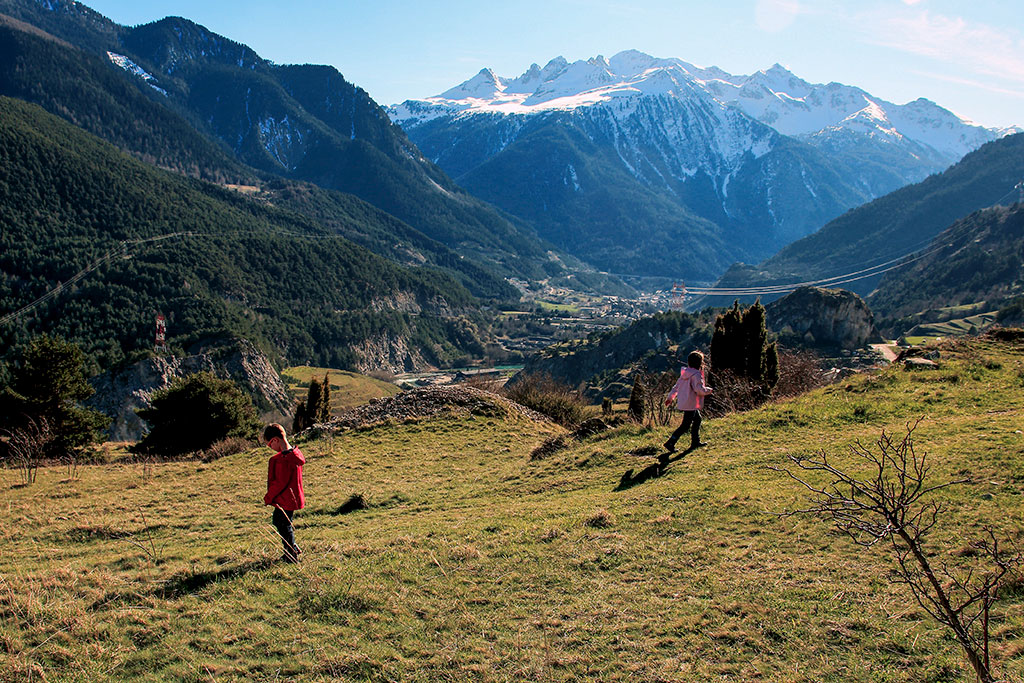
{"x":689,"y":391}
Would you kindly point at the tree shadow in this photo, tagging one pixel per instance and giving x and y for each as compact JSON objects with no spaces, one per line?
{"x":192,"y":582}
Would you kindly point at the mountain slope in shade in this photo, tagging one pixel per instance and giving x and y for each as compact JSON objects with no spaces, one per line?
{"x":211,"y":259}
{"x":978,"y":258}
{"x":93,"y":93}
{"x":896,"y":225}
{"x":268,"y":117}
{"x":766,"y":158}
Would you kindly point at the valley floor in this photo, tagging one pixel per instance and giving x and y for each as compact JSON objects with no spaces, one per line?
{"x":476,"y":561}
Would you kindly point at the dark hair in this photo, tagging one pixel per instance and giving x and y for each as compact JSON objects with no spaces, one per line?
{"x":695,"y":359}
{"x":272,"y":431}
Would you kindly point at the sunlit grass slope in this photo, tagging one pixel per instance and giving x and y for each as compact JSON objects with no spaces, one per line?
{"x":474,"y":562}
{"x":348,"y":389}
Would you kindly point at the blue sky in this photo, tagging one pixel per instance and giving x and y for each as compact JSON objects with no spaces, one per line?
{"x":967,"y":56}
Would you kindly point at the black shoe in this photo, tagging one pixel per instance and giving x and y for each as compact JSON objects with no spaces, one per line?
{"x":699,"y":444}
{"x":289,"y":558}
{"x":670,"y":446}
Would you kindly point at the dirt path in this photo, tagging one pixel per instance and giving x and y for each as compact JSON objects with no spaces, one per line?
{"x":888,"y":352}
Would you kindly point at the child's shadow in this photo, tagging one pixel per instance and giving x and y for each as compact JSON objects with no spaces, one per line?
{"x":629,"y":480}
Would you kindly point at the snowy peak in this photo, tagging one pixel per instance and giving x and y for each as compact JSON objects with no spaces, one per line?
{"x":775,"y":97}
{"x":577,"y":78}
{"x":485,"y":85}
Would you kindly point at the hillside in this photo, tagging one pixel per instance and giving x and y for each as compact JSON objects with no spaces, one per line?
{"x":891,"y":227}
{"x":301,"y":122}
{"x":474,"y":561}
{"x":92,"y":93}
{"x":211,"y":259}
{"x":979,"y":258}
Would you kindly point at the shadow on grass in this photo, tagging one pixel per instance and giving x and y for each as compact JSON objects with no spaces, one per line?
{"x":629,"y":479}
{"x":355,"y":503}
{"x":193,"y":582}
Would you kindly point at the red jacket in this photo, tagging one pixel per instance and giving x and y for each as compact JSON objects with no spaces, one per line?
{"x":284,"y":480}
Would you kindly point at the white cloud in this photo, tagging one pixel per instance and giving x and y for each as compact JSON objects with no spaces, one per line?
{"x":773,"y":16}
{"x":979,"y":48}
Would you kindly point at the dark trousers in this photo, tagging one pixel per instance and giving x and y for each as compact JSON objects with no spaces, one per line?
{"x":283,"y":524}
{"x":691,"y":423}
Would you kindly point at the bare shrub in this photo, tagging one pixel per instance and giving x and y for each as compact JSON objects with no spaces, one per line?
{"x":225,"y":447}
{"x":958,"y":588}
{"x":656,"y":387}
{"x":799,"y":372}
{"x":540,"y":392}
{"x":28,"y":445}
{"x":733,"y":393}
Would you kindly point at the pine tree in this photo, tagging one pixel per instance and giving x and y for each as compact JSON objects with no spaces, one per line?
{"x":324,"y":405}
{"x":50,"y":382}
{"x":636,"y":400}
{"x":755,"y":342}
{"x":313,"y":401}
{"x":740,"y":346}
{"x":727,"y":352}
{"x":195,"y":412}
{"x":300,"y":421}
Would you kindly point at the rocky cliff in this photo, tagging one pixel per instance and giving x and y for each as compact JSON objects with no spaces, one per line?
{"x":812,"y":316}
{"x":120,"y":392}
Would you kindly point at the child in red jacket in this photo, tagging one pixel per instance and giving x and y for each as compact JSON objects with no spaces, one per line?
{"x":284,"y":487}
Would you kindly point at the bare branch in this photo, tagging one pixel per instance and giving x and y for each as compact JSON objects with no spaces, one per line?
{"x":888,"y":504}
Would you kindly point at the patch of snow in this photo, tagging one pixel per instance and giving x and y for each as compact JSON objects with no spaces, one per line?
{"x":129,"y":66}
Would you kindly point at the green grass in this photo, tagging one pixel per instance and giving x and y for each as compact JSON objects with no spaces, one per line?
{"x":348,"y":389}
{"x":561,"y":308}
{"x":474,"y":562}
{"x":951,"y":328}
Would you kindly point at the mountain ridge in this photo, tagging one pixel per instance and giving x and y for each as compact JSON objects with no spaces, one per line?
{"x":764,"y":166}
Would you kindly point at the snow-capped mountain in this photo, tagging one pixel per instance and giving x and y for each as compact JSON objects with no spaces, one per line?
{"x":767,"y":158}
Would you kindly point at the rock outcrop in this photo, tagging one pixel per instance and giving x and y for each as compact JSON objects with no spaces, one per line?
{"x":812,"y":316}
{"x":429,"y":402}
{"x":120,"y":392}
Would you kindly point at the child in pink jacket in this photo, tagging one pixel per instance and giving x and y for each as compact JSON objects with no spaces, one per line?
{"x":688,"y":393}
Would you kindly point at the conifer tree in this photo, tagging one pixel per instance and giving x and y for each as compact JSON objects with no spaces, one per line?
{"x":727,"y":352}
{"x":300,"y":421}
{"x":324,"y":406}
{"x":49,"y":382}
{"x":313,"y":400}
{"x":740,"y":345}
{"x":636,"y":400}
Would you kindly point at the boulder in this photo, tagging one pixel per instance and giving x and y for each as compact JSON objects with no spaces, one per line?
{"x":812,"y":316}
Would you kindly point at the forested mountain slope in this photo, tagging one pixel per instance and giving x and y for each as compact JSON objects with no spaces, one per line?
{"x":212,"y":260}
{"x":299,"y":122}
{"x":896,"y":225}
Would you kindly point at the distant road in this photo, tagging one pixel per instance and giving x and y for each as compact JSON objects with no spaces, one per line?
{"x":887,"y":351}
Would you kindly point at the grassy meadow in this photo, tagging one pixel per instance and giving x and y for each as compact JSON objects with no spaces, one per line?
{"x":348,"y":389}
{"x":474,"y":562}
